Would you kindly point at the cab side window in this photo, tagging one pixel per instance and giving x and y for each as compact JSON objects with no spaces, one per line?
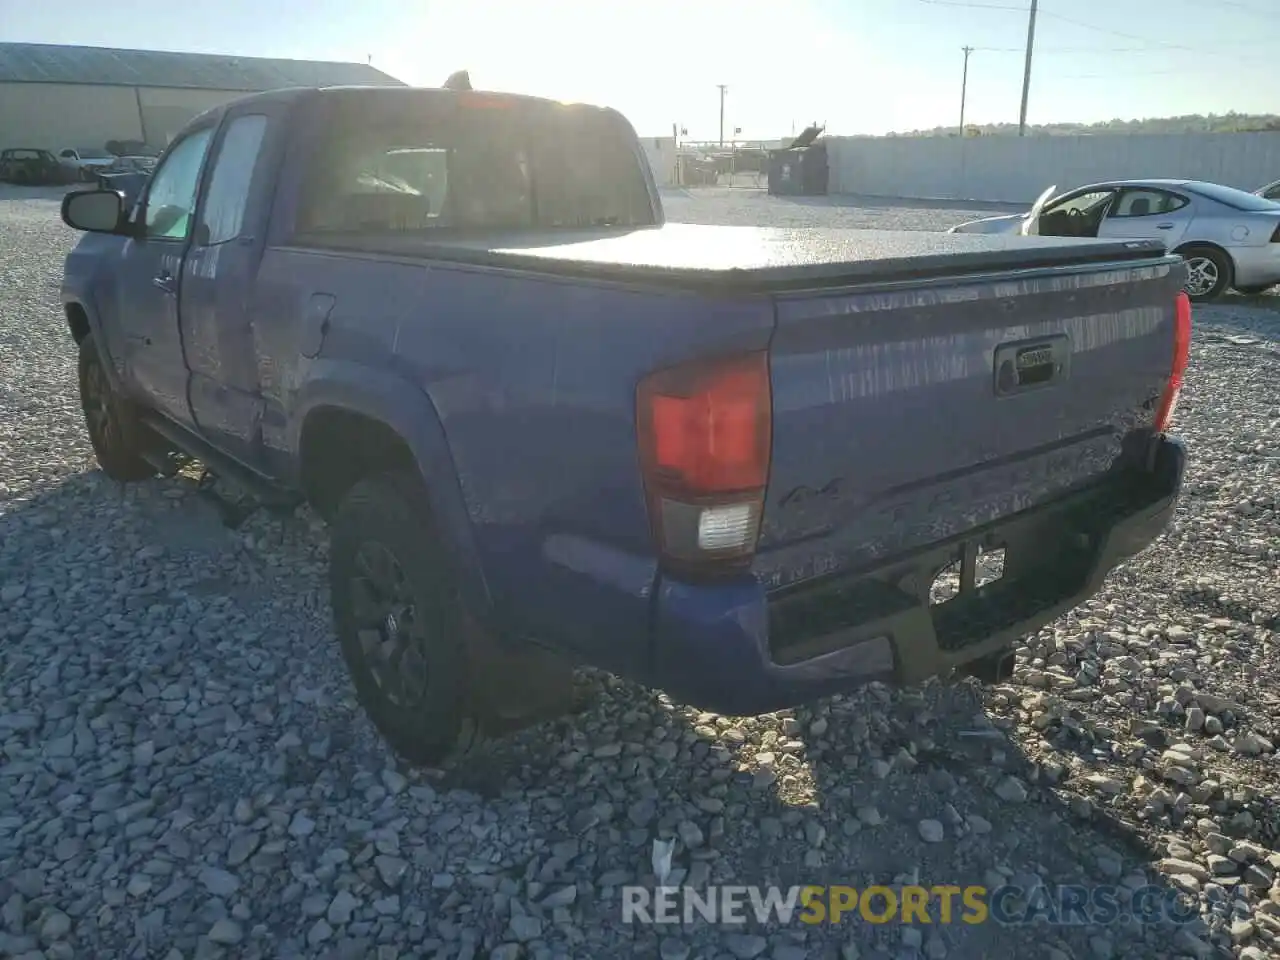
{"x":171,"y":200}
{"x":228,"y":194}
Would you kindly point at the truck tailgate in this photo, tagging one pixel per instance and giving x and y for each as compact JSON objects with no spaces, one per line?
{"x":911,"y":413}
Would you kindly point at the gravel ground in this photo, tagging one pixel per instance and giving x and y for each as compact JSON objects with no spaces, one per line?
{"x":184,"y":773}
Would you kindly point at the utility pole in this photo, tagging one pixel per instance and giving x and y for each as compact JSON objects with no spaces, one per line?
{"x":964,"y":86}
{"x":1026,"y":70}
{"x":723,"y":87}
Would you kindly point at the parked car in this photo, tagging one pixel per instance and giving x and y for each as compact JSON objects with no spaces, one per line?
{"x":128,"y":184}
{"x":30,"y":166}
{"x":1271,"y":191}
{"x":133,"y":164}
{"x":85,"y":163}
{"x":1229,"y":238}
{"x":711,"y":459}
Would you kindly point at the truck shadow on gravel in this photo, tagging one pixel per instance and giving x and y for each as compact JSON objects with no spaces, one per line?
{"x":835,"y":794}
{"x":215,"y":650}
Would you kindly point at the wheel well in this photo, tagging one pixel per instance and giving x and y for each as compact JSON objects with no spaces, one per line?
{"x":338,"y":448}
{"x":78,"y":321}
{"x":1205,"y":244}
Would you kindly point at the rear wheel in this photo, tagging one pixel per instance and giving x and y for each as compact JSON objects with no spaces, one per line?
{"x":432,"y":680}
{"x":1208,"y":272}
{"x":399,"y":618}
{"x":117,"y":435}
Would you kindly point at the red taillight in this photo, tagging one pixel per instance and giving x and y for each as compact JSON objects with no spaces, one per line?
{"x":1181,"y":354}
{"x":705,"y":431}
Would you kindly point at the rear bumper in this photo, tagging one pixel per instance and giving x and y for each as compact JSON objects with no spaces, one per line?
{"x":1257,"y":266}
{"x":736,"y":650}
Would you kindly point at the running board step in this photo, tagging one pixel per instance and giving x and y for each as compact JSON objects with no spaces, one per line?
{"x":266,"y":493}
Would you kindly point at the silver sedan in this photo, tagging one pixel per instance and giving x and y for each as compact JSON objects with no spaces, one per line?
{"x":1229,"y":238}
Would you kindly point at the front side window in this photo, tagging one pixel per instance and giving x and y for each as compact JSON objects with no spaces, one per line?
{"x":1082,"y":203}
{"x":171,"y":200}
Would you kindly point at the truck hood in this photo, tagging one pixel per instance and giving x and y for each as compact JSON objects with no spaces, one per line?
{"x":737,"y":259}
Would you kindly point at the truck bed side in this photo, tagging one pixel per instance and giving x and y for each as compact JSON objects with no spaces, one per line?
{"x":533,"y":380}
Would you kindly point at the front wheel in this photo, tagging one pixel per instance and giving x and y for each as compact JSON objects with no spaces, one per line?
{"x":1208,"y":272}
{"x":116,"y":433}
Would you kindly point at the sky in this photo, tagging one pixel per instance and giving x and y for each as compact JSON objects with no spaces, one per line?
{"x":859,"y":66}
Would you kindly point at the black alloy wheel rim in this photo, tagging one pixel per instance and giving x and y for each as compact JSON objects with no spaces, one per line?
{"x":389,"y":627}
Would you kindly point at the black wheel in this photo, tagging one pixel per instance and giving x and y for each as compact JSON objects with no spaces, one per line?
{"x":118,"y":437}
{"x":1254,"y":290}
{"x":400,"y":620}
{"x":1209,"y":272}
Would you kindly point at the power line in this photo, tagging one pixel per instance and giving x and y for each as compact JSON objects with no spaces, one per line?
{"x":1147,"y":42}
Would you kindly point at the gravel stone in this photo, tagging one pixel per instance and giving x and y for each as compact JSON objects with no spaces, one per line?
{"x":931,"y":831}
{"x":226,"y":932}
{"x":191,"y":777}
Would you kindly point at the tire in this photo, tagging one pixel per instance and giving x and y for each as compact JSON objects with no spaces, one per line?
{"x":400,"y":620}
{"x":117,"y":435}
{"x":1210,"y":272}
{"x":1254,"y":290}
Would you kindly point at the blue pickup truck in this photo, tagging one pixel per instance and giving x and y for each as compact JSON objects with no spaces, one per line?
{"x":546,"y":428}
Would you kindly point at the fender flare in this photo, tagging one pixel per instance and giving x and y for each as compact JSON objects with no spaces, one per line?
{"x":111,"y":365}
{"x":409,"y":411}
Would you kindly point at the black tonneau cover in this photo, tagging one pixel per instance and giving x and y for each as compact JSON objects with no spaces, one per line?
{"x":746,"y":259}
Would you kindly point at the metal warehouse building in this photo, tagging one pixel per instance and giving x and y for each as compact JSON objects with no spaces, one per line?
{"x":54,"y":97}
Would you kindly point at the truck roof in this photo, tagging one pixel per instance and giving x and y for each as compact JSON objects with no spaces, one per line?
{"x":295,"y":94}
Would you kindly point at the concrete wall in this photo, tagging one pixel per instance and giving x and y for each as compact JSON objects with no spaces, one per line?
{"x":661,"y":152}
{"x":54,"y":116}
{"x":1018,"y":169}
{"x":165,"y":111}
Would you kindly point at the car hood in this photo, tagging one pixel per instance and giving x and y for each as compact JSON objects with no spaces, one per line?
{"x":1007,"y":223}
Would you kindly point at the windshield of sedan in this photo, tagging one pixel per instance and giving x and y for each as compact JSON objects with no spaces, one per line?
{"x":1236,"y":199}
{"x":471,"y":164}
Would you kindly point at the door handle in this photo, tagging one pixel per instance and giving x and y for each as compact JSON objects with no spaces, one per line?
{"x":164,"y":281}
{"x":1164,"y":226}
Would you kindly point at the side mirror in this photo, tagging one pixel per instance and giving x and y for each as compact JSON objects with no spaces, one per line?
{"x":96,"y":211}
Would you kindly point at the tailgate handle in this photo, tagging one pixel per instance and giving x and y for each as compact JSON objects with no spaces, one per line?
{"x":1031,"y":364}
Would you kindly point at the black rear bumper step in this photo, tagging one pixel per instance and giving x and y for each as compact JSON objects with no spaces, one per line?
{"x":1056,"y":556}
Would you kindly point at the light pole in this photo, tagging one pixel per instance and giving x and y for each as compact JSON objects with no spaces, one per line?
{"x":1026,"y":70}
{"x":964,"y":85}
{"x":723,"y":87}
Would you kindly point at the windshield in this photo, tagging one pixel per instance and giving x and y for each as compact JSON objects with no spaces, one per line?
{"x":490,"y":165}
{"x":1237,"y":199}
{"x":93,"y":154}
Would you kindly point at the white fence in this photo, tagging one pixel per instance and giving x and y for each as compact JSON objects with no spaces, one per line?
{"x":1017,"y":169}
{"x":661,"y":152}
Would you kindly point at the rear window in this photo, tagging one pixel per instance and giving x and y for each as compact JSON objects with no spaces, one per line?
{"x":470,"y":164}
{"x":1237,"y":199}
